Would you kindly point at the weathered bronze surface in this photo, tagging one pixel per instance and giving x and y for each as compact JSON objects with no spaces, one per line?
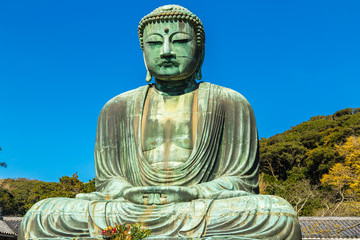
{"x":181,"y":157}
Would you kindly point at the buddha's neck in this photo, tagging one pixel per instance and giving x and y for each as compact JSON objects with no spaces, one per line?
{"x":177,"y":87}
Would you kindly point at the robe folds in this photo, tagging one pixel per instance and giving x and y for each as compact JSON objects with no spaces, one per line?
{"x":223,"y":168}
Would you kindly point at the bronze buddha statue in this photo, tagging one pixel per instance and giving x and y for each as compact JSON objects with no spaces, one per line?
{"x":179,"y":156}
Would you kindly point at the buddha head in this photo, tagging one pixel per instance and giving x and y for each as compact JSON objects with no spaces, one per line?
{"x":173,"y":40}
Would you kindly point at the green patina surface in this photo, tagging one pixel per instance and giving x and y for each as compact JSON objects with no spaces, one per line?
{"x":180,"y":157}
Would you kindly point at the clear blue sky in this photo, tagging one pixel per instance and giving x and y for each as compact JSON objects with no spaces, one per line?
{"x":62,"y":60}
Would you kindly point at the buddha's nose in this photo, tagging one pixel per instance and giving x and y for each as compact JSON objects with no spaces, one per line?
{"x":166,"y":51}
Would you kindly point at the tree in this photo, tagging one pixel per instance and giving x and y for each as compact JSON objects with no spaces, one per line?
{"x":19,"y":189}
{"x":17,"y":196}
{"x":67,"y":187}
{"x":89,"y":186}
{"x":293,"y":164}
{"x":41,"y":191}
{"x":3,"y":164}
{"x":7,"y":206}
{"x":304,"y":197}
{"x":318,"y":161}
{"x":344,"y":178}
{"x":278,"y":158}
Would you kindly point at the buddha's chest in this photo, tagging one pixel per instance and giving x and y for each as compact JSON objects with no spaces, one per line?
{"x":168,"y":130}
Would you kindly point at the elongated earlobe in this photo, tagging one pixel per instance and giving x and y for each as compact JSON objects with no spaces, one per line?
{"x":148,"y":76}
{"x":198,"y":75}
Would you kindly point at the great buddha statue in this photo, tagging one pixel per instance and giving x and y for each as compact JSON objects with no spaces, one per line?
{"x":179,"y":156}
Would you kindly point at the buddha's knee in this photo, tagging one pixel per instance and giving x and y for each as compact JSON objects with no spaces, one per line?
{"x":254,"y":216}
{"x":252,"y":203}
{"x":52,"y":216}
{"x":60,"y":206}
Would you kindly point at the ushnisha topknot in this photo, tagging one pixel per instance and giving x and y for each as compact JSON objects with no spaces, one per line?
{"x":175,"y":13}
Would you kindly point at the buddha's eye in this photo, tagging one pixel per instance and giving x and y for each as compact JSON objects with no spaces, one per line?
{"x":180,"y":38}
{"x":154,"y":40}
{"x":154,"y":43}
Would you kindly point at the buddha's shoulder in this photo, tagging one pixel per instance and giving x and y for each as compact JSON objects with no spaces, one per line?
{"x":125,"y":98}
{"x":128,"y":95}
{"x":226,"y":94}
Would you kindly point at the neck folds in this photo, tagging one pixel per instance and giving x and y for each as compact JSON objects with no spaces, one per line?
{"x":177,"y":87}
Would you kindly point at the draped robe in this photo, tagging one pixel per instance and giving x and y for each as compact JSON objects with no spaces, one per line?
{"x":223,"y":168}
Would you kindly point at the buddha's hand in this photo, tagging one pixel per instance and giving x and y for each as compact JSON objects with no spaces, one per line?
{"x":97,"y":196}
{"x":160,"y":194}
{"x":110,"y":194}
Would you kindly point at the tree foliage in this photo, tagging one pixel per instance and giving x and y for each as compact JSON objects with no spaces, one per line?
{"x":6,"y":203}
{"x":309,"y":145}
{"x":3,"y":164}
{"x":345,"y":177}
{"x":24,"y":193}
{"x":319,"y":157}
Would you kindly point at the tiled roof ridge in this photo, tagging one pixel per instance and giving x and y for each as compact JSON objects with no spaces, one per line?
{"x":6,"y":229}
{"x":314,"y":238}
{"x":330,"y":227}
{"x":9,"y":225}
{"x":329,"y":218}
{"x":10,"y":218}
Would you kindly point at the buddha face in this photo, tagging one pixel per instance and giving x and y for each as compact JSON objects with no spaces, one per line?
{"x":170,"y":50}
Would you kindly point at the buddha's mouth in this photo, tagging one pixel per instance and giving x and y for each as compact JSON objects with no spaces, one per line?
{"x":170,"y":63}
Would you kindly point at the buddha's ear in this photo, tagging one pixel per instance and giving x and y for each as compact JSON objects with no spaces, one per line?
{"x":148,"y":74}
{"x":198,"y":74}
{"x":145,"y":61}
{"x":202,"y":57}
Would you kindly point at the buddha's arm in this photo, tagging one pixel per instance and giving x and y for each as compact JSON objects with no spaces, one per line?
{"x":113,"y":189}
{"x":237,"y":159}
{"x":111,"y":152}
{"x":115,"y":186}
{"x":223,"y":187}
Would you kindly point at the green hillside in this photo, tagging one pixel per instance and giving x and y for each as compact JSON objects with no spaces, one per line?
{"x":293,"y":164}
{"x":18,"y":195}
